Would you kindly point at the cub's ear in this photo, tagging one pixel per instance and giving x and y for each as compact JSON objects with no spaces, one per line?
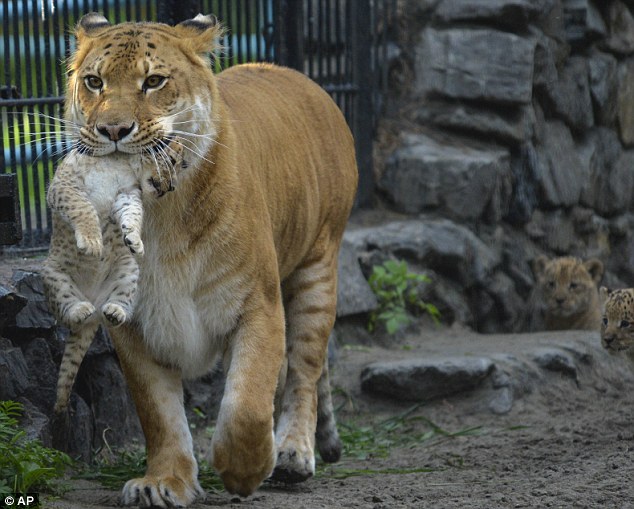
{"x":595,"y":268}
{"x":539,"y":264}
{"x":202,"y":33}
{"x":90,"y":24}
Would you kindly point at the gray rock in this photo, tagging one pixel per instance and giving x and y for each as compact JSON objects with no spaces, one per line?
{"x":205,"y":393}
{"x":14,"y":374}
{"x":569,"y":97}
{"x":502,"y":401}
{"x":39,"y":360}
{"x":448,"y":297}
{"x":560,"y":174}
{"x":425,"y":379}
{"x":10,"y":305}
{"x":546,"y":64}
{"x":554,"y":359}
{"x":507,"y":313}
{"x":35,"y":423}
{"x":582,"y":21}
{"x":475,"y":64}
{"x":457,"y":180}
{"x":610,"y":185}
{"x":509,"y":125}
{"x":438,"y":244}
{"x":554,"y":230}
{"x":35,"y":315}
{"x":625,"y":102}
{"x":621,"y":28}
{"x":354,"y":294}
{"x":512,"y":13}
{"x":604,"y":87}
{"x":101,"y":384}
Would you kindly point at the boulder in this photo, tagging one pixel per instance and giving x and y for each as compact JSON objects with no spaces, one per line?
{"x":625,"y":102}
{"x":568,"y":98}
{"x":437,"y":244}
{"x":583,"y":22}
{"x":14,"y":373}
{"x":10,"y":305}
{"x":42,"y":368}
{"x":477,"y":64}
{"x":604,"y":87}
{"x":101,"y":384}
{"x":425,"y":379}
{"x":354,"y":294}
{"x":556,"y":360}
{"x":458,"y":181}
{"x":515,"y":14}
{"x":34,"y":319}
{"x":560,"y":174}
{"x":610,"y":185}
{"x":509,"y":125}
{"x":620,"y":28}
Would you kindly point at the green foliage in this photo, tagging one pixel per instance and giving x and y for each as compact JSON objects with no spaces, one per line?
{"x":25,"y":465}
{"x":395,"y":288}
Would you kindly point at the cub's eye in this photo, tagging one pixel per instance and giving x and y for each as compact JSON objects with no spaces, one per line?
{"x":93,"y":82}
{"x":573,"y":285}
{"x":153,"y":81}
{"x":605,"y":321}
{"x":624,"y":324}
{"x":550,"y":284}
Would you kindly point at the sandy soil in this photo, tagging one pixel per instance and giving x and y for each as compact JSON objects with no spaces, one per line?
{"x":567,"y":442}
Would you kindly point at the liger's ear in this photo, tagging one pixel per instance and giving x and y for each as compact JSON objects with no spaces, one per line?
{"x":203,"y":33}
{"x":90,"y":24}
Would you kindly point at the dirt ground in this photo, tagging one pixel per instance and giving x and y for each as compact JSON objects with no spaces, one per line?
{"x":567,"y":442}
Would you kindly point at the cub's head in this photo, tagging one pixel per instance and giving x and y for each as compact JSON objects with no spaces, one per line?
{"x":139,"y":88}
{"x":568,"y":285}
{"x":617,"y":323}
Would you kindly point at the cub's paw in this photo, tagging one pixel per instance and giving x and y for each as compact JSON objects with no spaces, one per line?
{"x":114,"y":313}
{"x":295,"y":461}
{"x":160,"y":492}
{"x":79,"y":312}
{"x":132,"y":239}
{"x":163,"y":185}
{"x":90,"y":245}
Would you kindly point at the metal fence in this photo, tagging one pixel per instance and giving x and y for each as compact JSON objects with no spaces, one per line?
{"x":341,"y":44}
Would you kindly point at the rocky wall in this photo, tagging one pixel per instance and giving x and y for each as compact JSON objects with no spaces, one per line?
{"x":512,"y":123}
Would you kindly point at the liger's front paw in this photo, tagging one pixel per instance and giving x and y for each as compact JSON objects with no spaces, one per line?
{"x":160,"y":492}
{"x":295,"y":460}
{"x":243,"y":468}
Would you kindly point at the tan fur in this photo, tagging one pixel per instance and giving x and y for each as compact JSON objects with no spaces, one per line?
{"x":567,"y":288}
{"x":617,"y":323}
{"x":241,"y":260}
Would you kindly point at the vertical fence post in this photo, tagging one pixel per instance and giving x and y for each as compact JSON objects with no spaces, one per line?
{"x":289,"y":33}
{"x":363,"y":112}
{"x":175,"y":11}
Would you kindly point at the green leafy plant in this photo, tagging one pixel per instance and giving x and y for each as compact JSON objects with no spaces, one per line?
{"x":25,"y":465}
{"x":395,"y":288}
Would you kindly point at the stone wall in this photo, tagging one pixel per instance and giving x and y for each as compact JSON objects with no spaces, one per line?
{"x":515,"y":125}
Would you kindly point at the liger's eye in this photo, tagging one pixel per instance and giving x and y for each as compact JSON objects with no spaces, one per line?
{"x":153,"y":81}
{"x":93,"y":82}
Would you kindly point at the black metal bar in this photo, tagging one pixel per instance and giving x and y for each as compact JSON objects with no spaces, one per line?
{"x":171,"y":12}
{"x":30,"y":101}
{"x":363,"y":110}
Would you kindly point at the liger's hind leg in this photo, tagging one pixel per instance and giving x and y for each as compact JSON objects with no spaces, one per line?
{"x":310,"y":305}
{"x":326,"y":436}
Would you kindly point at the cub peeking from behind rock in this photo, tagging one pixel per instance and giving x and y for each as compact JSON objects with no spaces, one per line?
{"x":567,"y":289}
{"x":617,"y":323}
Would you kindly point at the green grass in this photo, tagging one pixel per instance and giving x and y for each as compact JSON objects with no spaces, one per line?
{"x":25,"y":464}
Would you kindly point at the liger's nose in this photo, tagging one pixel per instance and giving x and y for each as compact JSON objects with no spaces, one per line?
{"x":115,"y":132}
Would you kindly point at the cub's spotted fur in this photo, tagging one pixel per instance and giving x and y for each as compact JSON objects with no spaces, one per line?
{"x":617,"y":324}
{"x":568,"y":291}
{"x":91,"y":272}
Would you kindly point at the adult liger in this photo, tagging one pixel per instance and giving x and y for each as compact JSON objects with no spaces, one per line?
{"x":240,"y":260}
